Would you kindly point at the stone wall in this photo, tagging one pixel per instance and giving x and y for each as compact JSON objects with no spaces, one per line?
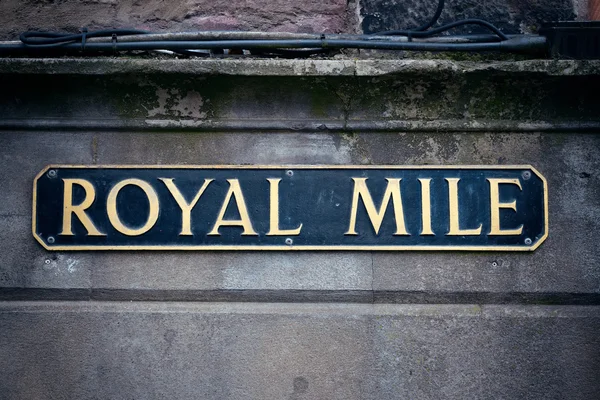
{"x":301,"y":325}
{"x":330,"y":16}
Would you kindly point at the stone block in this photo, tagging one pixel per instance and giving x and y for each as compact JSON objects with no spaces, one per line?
{"x":510,"y":16}
{"x":89,"y":350}
{"x":559,"y":266}
{"x":264,"y":15}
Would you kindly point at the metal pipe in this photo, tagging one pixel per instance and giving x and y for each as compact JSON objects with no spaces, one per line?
{"x":237,"y":35}
{"x":524,"y":43}
{"x":221,"y":35}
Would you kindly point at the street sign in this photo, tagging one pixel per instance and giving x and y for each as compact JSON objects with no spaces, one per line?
{"x":385,"y":208}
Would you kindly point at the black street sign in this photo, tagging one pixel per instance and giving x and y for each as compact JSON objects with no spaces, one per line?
{"x":290,"y":208}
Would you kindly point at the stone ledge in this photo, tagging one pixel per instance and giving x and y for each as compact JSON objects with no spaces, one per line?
{"x":295,"y":125}
{"x":279,"y":67}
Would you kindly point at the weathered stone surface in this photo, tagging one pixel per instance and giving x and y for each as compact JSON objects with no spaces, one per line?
{"x":496,"y":113}
{"x":25,"y":265}
{"x":24,"y":155}
{"x":469,"y":93}
{"x":560,"y":266}
{"x":569,"y":254}
{"x":215,"y":148}
{"x":111,"y":346}
{"x":510,"y":16}
{"x":274,"y":351}
{"x":22,"y":264}
{"x":156,"y":15}
{"x":231,"y":271}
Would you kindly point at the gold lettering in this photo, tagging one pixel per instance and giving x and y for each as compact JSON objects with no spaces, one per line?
{"x":235,"y":191}
{"x":79,"y":210}
{"x":426,"y":206}
{"x":113,"y":215}
{"x":274,"y":212}
{"x":186,"y":208}
{"x":454,"y":214}
{"x":495,"y":206}
{"x":392,"y":191}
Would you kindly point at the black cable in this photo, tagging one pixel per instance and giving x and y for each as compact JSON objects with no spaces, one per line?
{"x":40,"y":39}
{"x":56,"y":43}
{"x":422,"y":31}
{"x":49,"y":39}
{"x":443,"y":28}
{"x":433,"y":19}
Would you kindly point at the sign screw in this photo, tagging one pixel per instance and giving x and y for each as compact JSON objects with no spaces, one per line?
{"x":289,"y":241}
{"x":47,"y":261}
{"x":526,"y":175}
{"x":50,"y":239}
{"x":289,"y":172}
{"x":494,"y":264}
{"x":528,"y":241}
{"x":52,"y":174}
